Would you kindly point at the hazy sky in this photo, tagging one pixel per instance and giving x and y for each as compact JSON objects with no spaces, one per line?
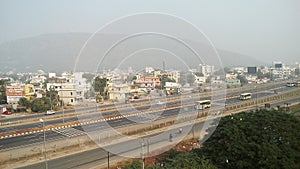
{"x":264,"y":29}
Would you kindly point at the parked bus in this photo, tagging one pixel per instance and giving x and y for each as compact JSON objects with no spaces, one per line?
{"x":290,"y":84}
{"x":245,"y":96}
{"x":203,"y":104}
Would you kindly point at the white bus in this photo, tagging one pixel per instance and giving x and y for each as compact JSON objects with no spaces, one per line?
{"x":203,"y":104}
{"x":245,"y":96}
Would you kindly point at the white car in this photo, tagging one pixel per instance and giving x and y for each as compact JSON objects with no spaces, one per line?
{"x":50,"y":112}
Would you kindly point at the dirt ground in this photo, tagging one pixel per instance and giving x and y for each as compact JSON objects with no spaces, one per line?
{"x":185,"y":145}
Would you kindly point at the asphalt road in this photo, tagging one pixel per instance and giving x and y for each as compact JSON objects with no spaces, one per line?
{"x":98,"y":156}
{"x":9,"y":143}
{"x":120,"y":104}
{"x":127,"y":148}
{"x":130,"y":109}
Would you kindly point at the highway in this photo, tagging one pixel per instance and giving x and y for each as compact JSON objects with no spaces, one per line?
{"x":19,"y":141}
{"x":84,"y":109}
{"x":98,"y":156}
{"x":134,"y":109}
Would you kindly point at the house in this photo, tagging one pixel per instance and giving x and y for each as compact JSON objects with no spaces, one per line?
{"x":118,"y":92}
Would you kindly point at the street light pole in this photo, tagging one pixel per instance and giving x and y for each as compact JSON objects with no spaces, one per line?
{"x":108,"y":159}
{"x":62,"y":102}
{"x":255,"y":97}
{"x":45,"y":152}
{"x":142,"y":142}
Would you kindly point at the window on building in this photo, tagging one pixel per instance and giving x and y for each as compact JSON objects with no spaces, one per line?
{"x":71,"y":93}
{"x":71,"y":100}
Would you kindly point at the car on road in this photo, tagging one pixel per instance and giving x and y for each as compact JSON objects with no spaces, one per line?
{"x":49,"y":112}
{"x":7,"y":112}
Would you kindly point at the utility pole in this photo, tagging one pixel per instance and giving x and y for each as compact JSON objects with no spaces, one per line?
{"x":108,"y":159}
{"x":142,"y":154}
{"x":45,"y":152}
{"x":62,"y":101}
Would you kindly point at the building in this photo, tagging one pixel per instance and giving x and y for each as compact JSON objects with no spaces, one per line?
{"x":55,"y":83}
{"x":252,"y":70}
{"x":233,"y":83}
{"x":51,"y":75}
{"x":82,"y":88}
{"x":279,"y":71}
{"x":206,"y":70}
{"x":14,"y":93}
{"x":118,"y":92}
{"x":148,"y":81}
{"x":29,"y":91}
{"x":199,"y":79}
{"x":149,"y":70}
{"x":38,"y":82}
{"x":67,"y":93}
{"x":172,"y":88}
{"x":239,"y":70}
{"x":277,"y":64}
{"x":175,"y":74}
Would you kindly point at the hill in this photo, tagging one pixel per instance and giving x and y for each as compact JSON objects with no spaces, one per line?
{"x":58,"y":52}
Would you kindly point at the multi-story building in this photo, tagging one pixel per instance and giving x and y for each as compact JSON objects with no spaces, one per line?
{"x":16,"y":91}
{"x":118,"y":92}
{"x":280,"y":71}
{"x":206,"y":70}
{"x":231,"y":80}
{"x":67,"y":93}
{"x":81,"y":86}
{"x":148,"y":82}
{"x":175,"y":74}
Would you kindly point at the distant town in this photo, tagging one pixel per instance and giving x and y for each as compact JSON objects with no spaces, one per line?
{"x":41,"y":91}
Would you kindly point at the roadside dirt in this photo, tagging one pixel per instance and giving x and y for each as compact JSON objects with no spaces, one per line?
{"x":185,"y":145}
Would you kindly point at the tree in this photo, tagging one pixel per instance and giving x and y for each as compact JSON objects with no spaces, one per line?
{"x":3,"y":99}
{"x":199,"y":74}
{"x":163,"y":80}
{"x":40,"y":104}
{"x":88,"y":76}
{"x":187,"y":78}
{"x":243,"y":79}
{"x":177,"y":160}
{"x":208,"y":79}
{"x":53,"y":97}
{"x":100,"y":85}
{"x":99,"y":98}
{"x":260,"y":75}
{"x":261,"y":139}
{"x":136,"y":164}
{"x":130,"y":78}
{"x":24,"y":102}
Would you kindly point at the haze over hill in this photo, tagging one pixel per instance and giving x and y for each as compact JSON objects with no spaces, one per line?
{"x":58,"y":52}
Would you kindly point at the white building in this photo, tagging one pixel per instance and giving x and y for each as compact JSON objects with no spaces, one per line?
{"x":51,"y":75}
{"x":149,"y":70}
{"x":280,"y":71}
{"x":206,"y":70}
{"x":239,"y":70}
{"x":199,"y":79}
{"x":175,"y":75}
{"x":81,"y":86}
